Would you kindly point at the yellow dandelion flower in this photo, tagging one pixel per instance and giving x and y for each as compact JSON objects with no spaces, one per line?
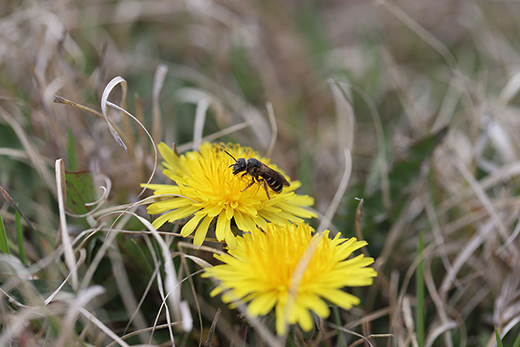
{"x":206,"y":188}
{"x":260,"y":269}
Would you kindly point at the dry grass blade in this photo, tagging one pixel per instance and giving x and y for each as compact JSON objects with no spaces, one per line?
{"x":147,"y":330}
{"x":61,"y":100}
{"x":408,"y":320}
{"x":359,"y":233}
{"x":331,"y":210}
{"x":511,"y":238}
{"x":511,"y":89}
{"x":139,"y":305}
{"x":83,"y":298}
{"x":481,"y":194}
{"x":103,"y":327}
{"x":70,"y":258}
{"x":158,"y":81}
{"x":209,"y":340}
{"x":363,"y":338}
{"x":81,"y":260}
{"x":274,"y":129}
{"x":485,"y":232}
{"x":202,"y":264}
{"x":174,"y":293}
{"x":14,"y":153}
{"x":266,"y":336}
{"x":34,"y":155}
{"x":125,"y":289}
{"x":164,"y":304}
{"x":11,"y":202}
{"x":311,"y":248}
{"x":438,"y":300}
{"x":17,"y":324}
{"x":345,"y":118}
{"x":189,"y":145}
{"x":421,"y":31}
{"x":438,"y":331}
{"x":200,"y":120}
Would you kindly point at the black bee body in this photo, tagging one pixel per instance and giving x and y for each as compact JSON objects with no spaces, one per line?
{"x":259,"y":173}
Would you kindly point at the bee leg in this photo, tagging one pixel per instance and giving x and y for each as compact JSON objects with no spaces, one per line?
{"x":266,"y":189}
{"x":249,"y":185}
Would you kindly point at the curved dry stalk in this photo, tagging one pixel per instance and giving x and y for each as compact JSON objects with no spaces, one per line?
{"x":104,"y":102}
{"x":149,"y":136}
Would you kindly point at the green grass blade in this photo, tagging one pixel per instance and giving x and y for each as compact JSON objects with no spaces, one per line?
{"x":4,"y":247}
{"x":517,"y":341}
{"x":499,"y":341}
{"x":342,"y":341}
{"x":19,"y":234}
{"x":420,"y":292}
{"x":73,"y":162}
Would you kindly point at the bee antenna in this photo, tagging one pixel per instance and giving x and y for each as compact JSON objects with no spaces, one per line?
{"x":229,"y":154}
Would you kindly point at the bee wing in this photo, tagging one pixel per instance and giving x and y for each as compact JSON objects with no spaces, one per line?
{"x":267,"y":171}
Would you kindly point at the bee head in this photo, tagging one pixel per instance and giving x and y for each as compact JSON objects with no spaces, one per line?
{"x":239,"y":165}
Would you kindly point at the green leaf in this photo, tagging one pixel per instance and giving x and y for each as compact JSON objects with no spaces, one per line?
{"x":402,"y":174}
{"x":499,"y":341}
{"x":137,"y":252}
{"x":80,"y":191}
{"x":408,"y":169}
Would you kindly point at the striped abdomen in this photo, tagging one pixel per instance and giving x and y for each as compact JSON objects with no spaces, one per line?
{"x":274,"y":179}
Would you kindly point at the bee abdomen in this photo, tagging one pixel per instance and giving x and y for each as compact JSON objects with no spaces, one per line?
{"x":274,"y":184}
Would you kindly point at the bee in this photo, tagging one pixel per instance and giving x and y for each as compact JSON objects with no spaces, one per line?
{"x":260,"y":173}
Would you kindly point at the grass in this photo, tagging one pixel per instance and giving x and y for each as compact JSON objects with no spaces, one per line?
{"x":19,"y":237}
{"x":423,"y":95}
{"x":4,"y":246}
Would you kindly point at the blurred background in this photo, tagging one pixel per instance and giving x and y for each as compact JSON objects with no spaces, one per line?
{"x":424,"y":95}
